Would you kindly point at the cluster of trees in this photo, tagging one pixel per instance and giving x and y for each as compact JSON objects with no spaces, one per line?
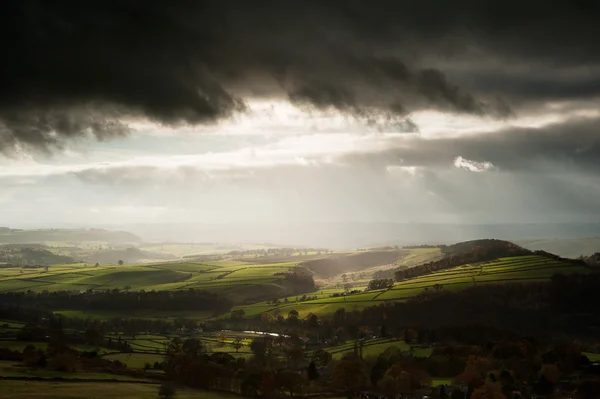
{"x":299,"y":283}
{"x":379,"y":284}
{"x":511,"y":367}
{"x":190,"y":299}
{"x":60,"y":357}
{"x":303,"y":298}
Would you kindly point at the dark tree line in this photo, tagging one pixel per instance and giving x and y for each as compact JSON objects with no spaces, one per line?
{"x":190,"y":299}
{"x":565,"y":305}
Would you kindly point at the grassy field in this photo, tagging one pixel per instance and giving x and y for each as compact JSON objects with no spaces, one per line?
{"x":594,"y":357}
{"x":218,"y":275}
{"x":95,"y":390}
{"x":376,"y":346}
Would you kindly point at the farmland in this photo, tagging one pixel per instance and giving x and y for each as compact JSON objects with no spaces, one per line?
{"x":134,"y":340}
{"x":520,"y":268}
{"x":219,"y":275}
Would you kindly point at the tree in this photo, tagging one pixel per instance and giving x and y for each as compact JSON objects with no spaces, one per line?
{"x":489,"y":390}
{"x":289,"y":380}
{"x":389,"y":386}
{"x":350,"y":374}
{"x":261,"y":348}
{"x":312,"y":320}
{"x":167,"y":390}
{"x":321,"y":358}
{"x":238,"y":314}
{"x":120,"y":262}
{"x":551,"y":373}
{"x":312,"y":372}
{"x":31,"y":356}
{"x":294,"y":354}
{"x":97,"y":264}
{"x":92,"y":336}
{"x":237,"y":344}
{"x":409,"y":335}
{"x":192,"y":347}
{"x":379,"y":284}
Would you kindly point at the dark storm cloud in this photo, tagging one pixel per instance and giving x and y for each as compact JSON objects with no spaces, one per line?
{"x":65,"y":62}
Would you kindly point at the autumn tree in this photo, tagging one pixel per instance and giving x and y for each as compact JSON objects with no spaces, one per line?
{"x":31,"y":356}
{"x":350,"y":374}
{"x":489,"y":390}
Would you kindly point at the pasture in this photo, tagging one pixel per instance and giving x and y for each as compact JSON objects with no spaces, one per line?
{"x":214,"y":276}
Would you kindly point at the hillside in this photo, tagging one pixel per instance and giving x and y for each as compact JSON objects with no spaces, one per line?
{"x":336,"y":264}
{"x":128,"y":255}
{"x":18,"y":236}
{"x":517,"y":269}
{"x":20,"y":255}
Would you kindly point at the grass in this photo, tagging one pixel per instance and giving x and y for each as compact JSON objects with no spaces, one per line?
{"x":436,"y":382}
{"x":240,"y":278}
{"x":95,"y":390}
{"x":594,"y":357}
{"x":14,"y":369}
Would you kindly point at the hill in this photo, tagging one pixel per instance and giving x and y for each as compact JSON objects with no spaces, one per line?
{"x":336,"y":264}
{"x":20,"y":254}
{"x":18,"y":236}
{"x":464,"y":265}
{"x":567,"y":247}
{"x":127,"y":255}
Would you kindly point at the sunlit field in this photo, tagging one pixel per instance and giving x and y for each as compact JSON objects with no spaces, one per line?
{"x":216,"y":275}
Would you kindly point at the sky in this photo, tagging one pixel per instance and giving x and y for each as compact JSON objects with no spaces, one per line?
{"x":120,"y":111}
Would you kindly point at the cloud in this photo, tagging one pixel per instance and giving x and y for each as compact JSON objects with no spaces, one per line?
{"x":76,"y":70}
{"x":472,"y":166}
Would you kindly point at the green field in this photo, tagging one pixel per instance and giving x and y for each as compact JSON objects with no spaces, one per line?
{"x":218,"y":275}
{"x":374,"y":347}
{"x":594,"y":357}
{"x":95,"y":390}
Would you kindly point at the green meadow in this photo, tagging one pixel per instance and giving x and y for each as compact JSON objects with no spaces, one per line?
{"x":218,"y":275}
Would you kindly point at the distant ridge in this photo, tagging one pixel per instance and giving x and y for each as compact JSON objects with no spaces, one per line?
{"x":31,"y":236}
